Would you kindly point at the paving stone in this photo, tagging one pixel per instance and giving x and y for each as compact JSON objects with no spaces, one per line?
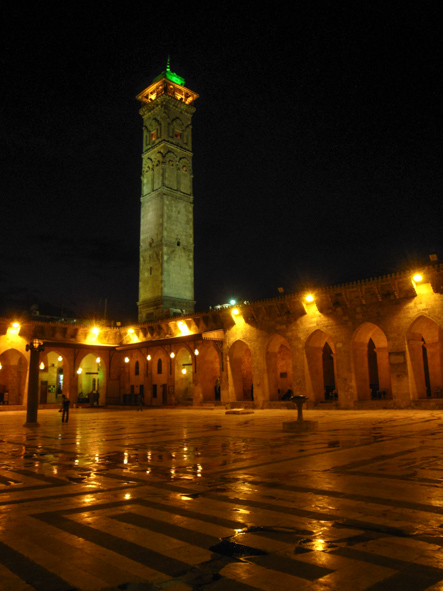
{"x":174,"y":499}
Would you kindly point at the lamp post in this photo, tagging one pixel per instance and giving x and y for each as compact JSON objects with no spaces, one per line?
{"x":35,"y":347}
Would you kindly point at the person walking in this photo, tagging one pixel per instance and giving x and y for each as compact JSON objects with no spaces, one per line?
{"x":140,"y":401}
{"x":65,"y":409}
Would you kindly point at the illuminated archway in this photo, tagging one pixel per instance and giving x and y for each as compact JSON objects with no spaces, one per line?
{"x":208,"y":363}
{"x":240,"y":361}
{"x":91,"y":378}
{"x":160,"y":370}
{"x":13,"y":376}
{"x":321,"y":370}
{"x":425,"y":348}
{"x":279,"y":367}
{"x":370,"y":358}
{"x":184,"y":372}
{"x":52,"y":377}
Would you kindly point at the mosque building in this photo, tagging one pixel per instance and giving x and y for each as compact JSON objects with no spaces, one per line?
{"x":376,"y":343}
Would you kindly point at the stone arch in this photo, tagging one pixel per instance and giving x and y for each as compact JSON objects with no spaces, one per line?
{"x":240,"y":362}
{"x":92,"y":378}
{"x":175,"y":126}
{"x":279,"y":367}
{"x":54,"y":377}
{"x":158,"y":163}
{"x":425,"y":348}
{"x":171,"y":170}
{"x":185,"y":176}
{"x":13,"y":374}
{"x":209,"y":370}
{"x":159,"y":380}
{"x":321,"y":366}
{"x":148,"y":175}
{"x":184,"y":372}
{"x":370,"y":357}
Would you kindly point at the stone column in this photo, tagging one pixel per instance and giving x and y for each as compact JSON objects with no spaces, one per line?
{"x":35,"y":347}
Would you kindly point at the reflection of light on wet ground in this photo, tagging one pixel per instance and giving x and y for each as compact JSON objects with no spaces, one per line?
{"x":127,"y":496}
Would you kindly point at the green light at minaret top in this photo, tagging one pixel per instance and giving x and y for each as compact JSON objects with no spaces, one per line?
{"x":170,"y":76}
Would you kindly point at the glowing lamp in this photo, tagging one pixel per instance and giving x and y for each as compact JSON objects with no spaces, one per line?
{"x":42,"y":365}
{"x":196,"y":351}
{"x":417,"y":277}
{"x":1,"y":366}
{"x":149,"y":358}
{"x":98,"y":360}
{"x":131,"y":331}
{"x":15,"y":325}
{"x":232,"y":302}
{"x":235,"y":311}
{"x":172,"y":355}
{"x":59,"y":358}
{"x":79,"y":371}
{"x":309,"y":297}
{"x":95,"y":331}
{"x":184,"y":371}
{"x":126,"y":359}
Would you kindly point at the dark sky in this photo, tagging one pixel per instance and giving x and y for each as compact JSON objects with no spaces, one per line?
{"x":317,"y":145}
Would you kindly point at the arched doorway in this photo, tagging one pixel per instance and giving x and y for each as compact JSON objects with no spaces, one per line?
{"x":321,"y":370}
{"x":91,"y":379}
{"x":208,"y":364}
{"x":52,"y":377}
{"x":184,"y":372}
{"x":160,"y":370}
{"x":240,"y":362}
{"x":370,"y":357}
{"x":424,"y":341}
{"x":13,"y":376}
{"x":279,"y":367}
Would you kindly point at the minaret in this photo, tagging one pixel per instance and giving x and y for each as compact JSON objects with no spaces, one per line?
{"x":166,"y":286}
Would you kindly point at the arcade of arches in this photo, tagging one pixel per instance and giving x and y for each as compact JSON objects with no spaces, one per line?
{"x":348,"y":353}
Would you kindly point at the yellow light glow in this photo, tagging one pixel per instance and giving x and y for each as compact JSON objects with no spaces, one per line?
{"x":79,"y":371}
{"x":59,"y":358}
{"x":235,"y":311}
{"x":417,"y":277}
{"x":184,"y":371}
{"x":42,"y":365}
{"x":172,"y":355}
{"x":196,"y":352}
{"x":149,"y":358}
{"x":95,"y":331}
{"x":98,"y":360}
{"x":130,"y":331}
{"x":183,"y":328}
{"x":126,"y":359}
{"x":1,"y":366}
{"x":14,"y":329}
{"x":309,"y":297}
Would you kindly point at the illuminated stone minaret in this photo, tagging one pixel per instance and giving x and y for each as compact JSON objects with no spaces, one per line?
{"x":167,"y":226}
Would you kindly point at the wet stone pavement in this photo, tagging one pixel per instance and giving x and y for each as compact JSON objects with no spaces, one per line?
{"x":199,"y":500}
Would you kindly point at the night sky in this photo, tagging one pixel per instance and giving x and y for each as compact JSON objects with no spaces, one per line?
{"x":316,"y":139}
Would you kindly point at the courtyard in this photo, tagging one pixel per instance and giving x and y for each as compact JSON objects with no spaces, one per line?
{"x":196,"y":499}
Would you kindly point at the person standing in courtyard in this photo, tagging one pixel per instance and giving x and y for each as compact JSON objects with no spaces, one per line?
{"x":140,"y":401}
{"x":65,"y":409}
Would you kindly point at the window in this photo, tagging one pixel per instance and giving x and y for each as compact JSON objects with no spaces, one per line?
{"x":137,"y":368}
{"x":159,"y":366}
{"x":178,"y":134}
{"x":153,"y":135}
